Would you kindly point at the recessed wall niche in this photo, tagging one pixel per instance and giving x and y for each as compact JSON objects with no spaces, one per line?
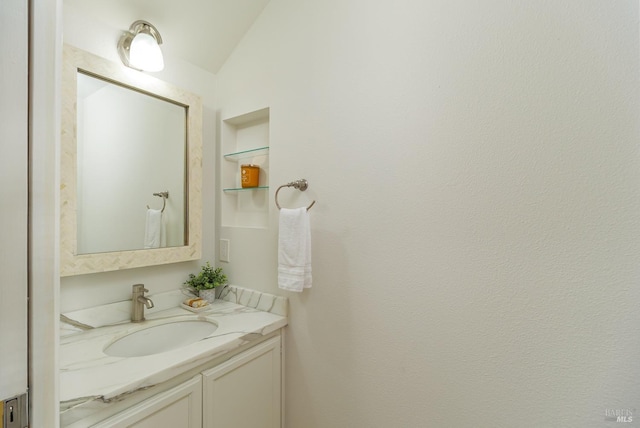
{"x":245,"y":141}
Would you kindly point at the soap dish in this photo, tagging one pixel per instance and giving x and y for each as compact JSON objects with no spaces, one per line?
{"x":196,"y":310}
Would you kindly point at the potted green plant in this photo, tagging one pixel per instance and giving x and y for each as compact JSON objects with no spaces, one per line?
{"x":205,"y":283}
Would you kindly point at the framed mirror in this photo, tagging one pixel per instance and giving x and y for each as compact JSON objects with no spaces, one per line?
{"x":131,"y":168}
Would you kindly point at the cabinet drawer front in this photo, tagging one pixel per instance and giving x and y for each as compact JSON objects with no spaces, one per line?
{"x":178,"y":407}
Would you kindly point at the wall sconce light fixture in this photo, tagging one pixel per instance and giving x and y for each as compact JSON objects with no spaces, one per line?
{"x":139,"y":47}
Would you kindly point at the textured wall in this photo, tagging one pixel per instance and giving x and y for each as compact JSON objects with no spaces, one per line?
{"x":476,"y":241}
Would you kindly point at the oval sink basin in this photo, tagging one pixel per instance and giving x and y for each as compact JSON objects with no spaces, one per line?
{"x":160,"y":338}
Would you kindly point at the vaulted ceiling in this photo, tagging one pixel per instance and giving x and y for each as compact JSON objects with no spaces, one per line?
{"x":203,"y":32}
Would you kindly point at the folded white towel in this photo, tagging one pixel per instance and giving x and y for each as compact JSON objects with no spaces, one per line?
{"x":294,"y":250}
{"x":153,"y":229}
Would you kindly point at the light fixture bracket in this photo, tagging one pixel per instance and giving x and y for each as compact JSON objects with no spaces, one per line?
{"x":124,"y":44}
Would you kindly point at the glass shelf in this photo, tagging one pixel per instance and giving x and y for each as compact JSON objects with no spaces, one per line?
{"x":241,"y":189}
{"x":246,"y":153}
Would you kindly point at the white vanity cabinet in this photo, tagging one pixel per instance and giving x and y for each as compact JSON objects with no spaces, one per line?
{"x":245,"y":392}
{"x":230,"y":379}
{"x":180,"y":406}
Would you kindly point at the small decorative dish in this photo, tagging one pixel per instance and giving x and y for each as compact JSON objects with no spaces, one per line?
{"x":196,"y":310}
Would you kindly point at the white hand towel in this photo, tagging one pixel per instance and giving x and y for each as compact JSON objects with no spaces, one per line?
{"x":153,"y":229}
{"x":294,"y":250}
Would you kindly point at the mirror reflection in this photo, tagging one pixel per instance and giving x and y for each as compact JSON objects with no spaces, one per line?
{"x":130,"y":146}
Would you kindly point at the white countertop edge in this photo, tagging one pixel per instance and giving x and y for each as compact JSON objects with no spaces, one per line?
{"x":87,"y":373}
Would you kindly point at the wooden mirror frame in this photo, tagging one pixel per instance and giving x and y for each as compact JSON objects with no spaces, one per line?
{"x":72,"y":263}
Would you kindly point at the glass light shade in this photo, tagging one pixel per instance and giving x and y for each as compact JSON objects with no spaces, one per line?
{"x":145,"y":54}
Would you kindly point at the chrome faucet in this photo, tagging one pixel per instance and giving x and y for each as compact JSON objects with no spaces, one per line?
{"x":139,"y":301}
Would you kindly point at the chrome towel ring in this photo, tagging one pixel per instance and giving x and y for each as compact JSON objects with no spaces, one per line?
{"x":164,"y":196}
{"x":301,"y":185}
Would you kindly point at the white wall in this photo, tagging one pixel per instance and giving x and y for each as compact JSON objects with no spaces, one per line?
{"x":476,"y":239}
{"x":82,"y":291}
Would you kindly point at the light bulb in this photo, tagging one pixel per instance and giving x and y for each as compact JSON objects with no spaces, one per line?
{"x":145,"y":54}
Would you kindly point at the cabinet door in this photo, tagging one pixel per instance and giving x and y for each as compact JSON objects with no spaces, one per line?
{"x":178,"y":407}
{"x":244,"y":392}
{"x":14,"y":37}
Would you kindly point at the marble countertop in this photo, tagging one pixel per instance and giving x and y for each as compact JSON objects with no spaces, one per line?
{"x":87,"y":374}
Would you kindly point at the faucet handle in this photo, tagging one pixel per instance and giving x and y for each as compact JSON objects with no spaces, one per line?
{"x":139,"y":288}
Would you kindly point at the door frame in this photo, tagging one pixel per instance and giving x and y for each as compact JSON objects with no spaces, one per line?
{"x":45,"y":53}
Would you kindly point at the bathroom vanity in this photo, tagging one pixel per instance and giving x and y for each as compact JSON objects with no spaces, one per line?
{"x":176,"y":368}
{"x":212,"y":382}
